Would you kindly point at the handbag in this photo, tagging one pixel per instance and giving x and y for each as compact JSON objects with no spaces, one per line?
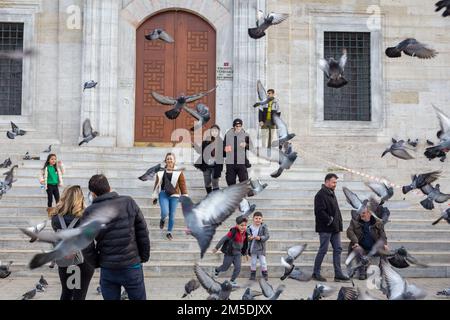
{"x":73,"y":259}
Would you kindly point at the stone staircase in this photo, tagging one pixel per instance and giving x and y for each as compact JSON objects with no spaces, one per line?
{"x":287,"y":205}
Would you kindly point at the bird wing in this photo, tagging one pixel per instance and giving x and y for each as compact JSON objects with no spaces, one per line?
{"x":281,"y":126}
{"x":324,"y":66}
{"x":380,"y":189}
{"x":244,"y":206}
{"x":199,"y":95}
{"x":343,"y":60}
{"x":400,"y":152}
{"x":414,"y":261}
{"x":259,"y":17}
{"x":40,"y":226}
{"x":417,"y":49}
{"x":266,"y":288}
{"x":351,"y":256}
{"x":52,"y":237}
{"x":373,"y":205}
{"x":207,"y":282}
{"x":296,"y":251}
{"x":166,"y":37}
{"x":168,"y":101}
{"x":427,"y":189}
{"x":444,"y":123}
{"x":431,"y":177}
{"x":87,"y":128}
{"x":352,"y":198}
{"x":395,"y":283}
{"x":278,"y":17}
{"x":347,"y":293}
{"x":192,"y":112}
{"x":14,"y":127}
{"x":262,"y":93}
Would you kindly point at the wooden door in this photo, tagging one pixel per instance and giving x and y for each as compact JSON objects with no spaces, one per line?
{"x":187,"y":66}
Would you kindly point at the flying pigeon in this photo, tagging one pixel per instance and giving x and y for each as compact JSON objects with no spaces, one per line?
{"x":334,"y":70}
{"x":363,"y":260}
{"x":48,"y":150}
{"x":88,"y":132}
{"x":354,"y":201}
{"x":268,"y":291}
{"x":150,"y":174}
{"x":443,"y":4}
{"x":433,"y":195}
{"x":6,"y":164}
{"x":400,"y":258}
{"x":379,"y":211}
{"x":90,"y":85}
{"x":321,"y":291}
{"x":15,"y":131}
{"x":289,"y":268}
{"x":421,"y":180}
{"x":36,"y":229}
{"x":5,"y":270}
{"x":159,"y":34}
{"x":283,"y":133}
{"x":413,"y":143}
{"x":29,"y":295}
{"x":178,"y":103}
{"x":43,"y":282}
{"x":285,"y":161}
{"x":263,"y":23}
{"x":412,"y":48}
{"x":445,"y":216}
{"x":17,"y":54}
{"x":190,"y":287}
{"x":382,"y":190}
{"x":257,"y":187}
{"x":245,"y":208}
{"x":203,"y":218}
{"x":10,"y":178}
{"x":399,"y":150}
{"x":201,"y":114}
{"x":440,"y":150}
{"x":262,"y":95}
{"x":220,"y":291}
{"x":397,"y":287}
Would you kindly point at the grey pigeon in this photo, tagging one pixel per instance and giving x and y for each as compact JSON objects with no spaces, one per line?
{"x":348,"y":293}
{"x":334,"y":70}
{"x":400,"y":258}
{"x":29,"y":295}
{"x":411,"y":47}
{"x":264,"y":22}
{"x":421,"y":180}
{"x":283,"y":133}
{"x":201,"y":114}
{"x":99,"y":290}
{"x":48,"y":150}
{"x":262,"y":95}
{"x":434,"y":194}
{"x":124,"y":295}
{"x":362,"y":260}
{"x":321,"y":291}
{"x":190,"y":287}
{"x":382,"y":190}
{"x":88,"y":132}
{"x":17,"y":54}
{"x":257,"y":186}
{"x":15,"y":131}
{"x":6,"y":164}
{"x":246,"y":208}
{"x":43,"y":282}
{"x":39,"y":287}
{"x":150,"y":174}
{"x":220,"y":291}
{"x":440,"y":150}
{"x":399,"y":150}
{"x":36,"y":229}
{"x":10,"y":178}
{"x":178,"y":103}
{"x":5,"y":270}
{"x":159,"y":34}
{"x":445,"y":292}
{"x":28,"y":157}
{"x":354,"y":201}
{"x":268,"y":290}
{"x":379,"y":211}
{"x":285,"y":161}
{"x":288,"y":263}
{"x":397,"y":287}
{"x":203,"y":218}
{"x":443,"y":4}
{"x":445,"y":216}
{"x":90,"y":85}
{"x":413,"y":143}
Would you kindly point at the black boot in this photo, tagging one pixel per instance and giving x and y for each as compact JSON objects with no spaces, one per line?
{"x":208,"y":190}
{"x":253,"y":275}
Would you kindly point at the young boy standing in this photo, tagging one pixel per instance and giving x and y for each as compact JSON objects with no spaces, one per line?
{"x":234,"y":245}
{"x":258,"y":234}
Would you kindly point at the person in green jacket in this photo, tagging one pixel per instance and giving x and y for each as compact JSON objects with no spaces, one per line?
{"x":52,"y":178}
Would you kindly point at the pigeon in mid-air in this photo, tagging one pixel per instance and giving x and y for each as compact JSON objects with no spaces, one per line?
{"x":190,"y":287}
{"x":150,"y":174}
{"x":43,"y":282}
{"x":441,"y":5}
{"x":397,"y":287}
{"x":264,"y":22}
{"x":90,"y":85}
{"x":246,"y":208}
{"x":283,"y":133}
{"x":10,"y":178}
{"x":433,"y":194}
{"x":5,"y":270}
{"x":179,"y":102}
{"x":37,"y":229}
{"x":284,"y":160}
{"x":440,"y":150}
{"x":421,"y":180}
{"x":201,"y":114}
{"x":411,"y":47}
{"x":398,"y":149}
{"x":257,"y":187}
{"x":321,"y":291}
{"x":88,"y":132}
{"x":15,"y":131}
{"x":17,"y":54}
{"x":354,"y":201}
{"x":334,"y":70}
{"x":159,"y":34}
{"x":219,"y":291}
{"x":29,"y":295}
{"x":444,"y":216}
{"x":6,"y":164}
{"x":48,"y":150}
{"x":268,"y":290}
{"x":400,"y":258}
{"x":413,"y":143}
{"x":203,"y":218}
{"x":379,"y":210}
{"x":382,"y":190}
{"x":362,"y":260}
{"x":290,"y":271}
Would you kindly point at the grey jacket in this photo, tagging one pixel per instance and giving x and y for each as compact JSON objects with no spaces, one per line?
{"x":260,"y":245}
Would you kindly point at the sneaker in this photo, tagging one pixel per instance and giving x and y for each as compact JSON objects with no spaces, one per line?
{"x":341,"y":278}
{"x":161,"y":224}
{"x":52,"y":265}
{"x":252,"y":275}
{"x":265,"y":275}
{"x":169,"y":236}
{"x":318,"y":277}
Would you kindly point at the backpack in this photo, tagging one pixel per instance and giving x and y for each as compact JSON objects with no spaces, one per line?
{"x":74,"y":259}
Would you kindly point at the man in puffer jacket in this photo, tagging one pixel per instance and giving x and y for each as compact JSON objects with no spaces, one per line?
{"x":122,"y":246}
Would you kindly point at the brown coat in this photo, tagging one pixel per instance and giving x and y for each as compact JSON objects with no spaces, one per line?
{"x":178,"y":181}
{"x":355,"y":231}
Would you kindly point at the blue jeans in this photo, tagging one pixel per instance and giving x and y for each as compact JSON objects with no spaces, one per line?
{"x":325,"y":239}
{"x":168,"y":208}
{"x":111,"y":281}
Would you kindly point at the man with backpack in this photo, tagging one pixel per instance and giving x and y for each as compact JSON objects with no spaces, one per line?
{"x":234,"y":245}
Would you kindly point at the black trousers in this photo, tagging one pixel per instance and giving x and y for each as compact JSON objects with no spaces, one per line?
{"x":86,"y":273}
{"x":52,"y":191}
{"x":233,"y":170}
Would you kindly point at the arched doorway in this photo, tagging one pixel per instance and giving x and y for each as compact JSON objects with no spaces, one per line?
{"x":187,"y":66}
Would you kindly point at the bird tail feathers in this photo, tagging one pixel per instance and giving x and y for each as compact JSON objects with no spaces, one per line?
{"x":172,"y":114}
{"x":255,"y":33}
{"x":427,"y":204}
{"x":337,"y":83}
{"x":393,"y":52}
{"x":42,"y":258}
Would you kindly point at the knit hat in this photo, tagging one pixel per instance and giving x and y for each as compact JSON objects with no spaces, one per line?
{"x":241,"y":219}
{"x":236,"y":122}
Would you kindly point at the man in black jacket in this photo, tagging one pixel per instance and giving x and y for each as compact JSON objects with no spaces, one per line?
{"x":329,"y":226}
{"x":123,"y":246}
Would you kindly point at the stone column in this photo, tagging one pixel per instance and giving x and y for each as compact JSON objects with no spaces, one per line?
{"x":100,"y":63}
{"x":250,"y":58}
